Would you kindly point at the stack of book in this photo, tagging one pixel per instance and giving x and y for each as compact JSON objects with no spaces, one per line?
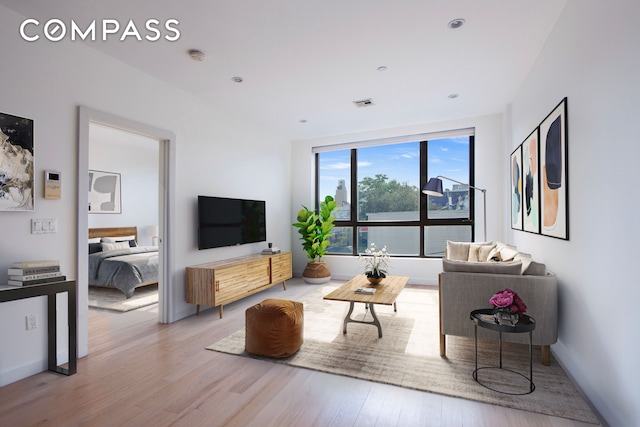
{"x":25,"y":273}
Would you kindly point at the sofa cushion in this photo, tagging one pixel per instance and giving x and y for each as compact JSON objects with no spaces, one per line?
{"x":453,"y":266}
{"x":536,"y":269}
{"x":458,"y":251}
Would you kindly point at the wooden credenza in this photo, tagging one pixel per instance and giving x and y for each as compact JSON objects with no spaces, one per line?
{"x":221,"y":282}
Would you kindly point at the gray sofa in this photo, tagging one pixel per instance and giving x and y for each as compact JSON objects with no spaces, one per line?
{"x":473,"y":272}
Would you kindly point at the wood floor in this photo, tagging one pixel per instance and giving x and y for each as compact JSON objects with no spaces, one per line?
{"x":140,"y":373}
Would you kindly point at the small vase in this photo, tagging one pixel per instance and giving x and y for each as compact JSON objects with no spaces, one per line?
{"x":509,"y":319}
{"x":374,"y":280}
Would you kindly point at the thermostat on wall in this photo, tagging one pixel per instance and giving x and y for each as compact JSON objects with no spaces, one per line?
{"x":52,"y":185}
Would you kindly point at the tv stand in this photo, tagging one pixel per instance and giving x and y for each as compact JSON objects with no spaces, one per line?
{"x":222,"y":282}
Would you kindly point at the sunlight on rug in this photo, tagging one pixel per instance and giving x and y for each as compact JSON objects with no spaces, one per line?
{"x":408,"y":355}
{"x":113,"y":299}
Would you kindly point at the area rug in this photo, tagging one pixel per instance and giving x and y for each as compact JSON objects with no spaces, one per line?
{"x":113,"y":299}
{"x":408,"y":355}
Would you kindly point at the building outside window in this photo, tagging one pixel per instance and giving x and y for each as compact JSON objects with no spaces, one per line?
{"x":377,"y":186}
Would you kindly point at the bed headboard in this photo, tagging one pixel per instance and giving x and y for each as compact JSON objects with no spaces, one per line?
{"x":113,"y":232}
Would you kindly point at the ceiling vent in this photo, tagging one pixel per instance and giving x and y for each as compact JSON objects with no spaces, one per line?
{"x":364,"y":103}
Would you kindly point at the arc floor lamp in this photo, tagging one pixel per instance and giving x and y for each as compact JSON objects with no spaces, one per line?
{"x":434,"y":188}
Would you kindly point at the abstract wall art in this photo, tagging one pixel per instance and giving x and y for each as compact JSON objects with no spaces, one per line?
{"x":104,"y":192}
{"x":516,"y":188}
{"x":531,"y":183}
{"x":554,"y":190}
{"x":16,"y":163}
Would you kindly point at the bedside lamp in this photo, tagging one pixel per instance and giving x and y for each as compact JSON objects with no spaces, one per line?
{"x":153,"y":230}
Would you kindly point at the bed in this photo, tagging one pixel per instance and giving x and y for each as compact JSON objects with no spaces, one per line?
{"x":116,"y":261}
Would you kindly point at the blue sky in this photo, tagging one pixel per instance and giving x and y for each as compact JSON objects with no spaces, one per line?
{"x":448,"y":157}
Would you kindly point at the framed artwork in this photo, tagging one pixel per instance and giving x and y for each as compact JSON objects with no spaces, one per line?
{"x":16,"y":163}
{"x":554,"y":191}
{"x":531,"y":183}
{"x":516,"y":188}
{"x":104,"y":192}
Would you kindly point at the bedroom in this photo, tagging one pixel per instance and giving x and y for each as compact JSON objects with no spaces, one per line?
{"x":127,"y":208}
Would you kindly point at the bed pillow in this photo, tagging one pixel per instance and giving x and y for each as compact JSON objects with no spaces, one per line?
{"x":107,"y":246}
{"x":95,"y":247}
{"x":130,"y":239}
{"x":94,"y":240}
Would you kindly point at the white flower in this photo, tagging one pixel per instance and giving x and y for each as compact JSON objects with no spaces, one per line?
{"x":376,"y":262}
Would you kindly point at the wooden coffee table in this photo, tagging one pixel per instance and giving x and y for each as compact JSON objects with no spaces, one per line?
{"x":385,"y":293}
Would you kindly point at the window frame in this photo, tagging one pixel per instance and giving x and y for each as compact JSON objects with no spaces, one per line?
{"x":423,"y":220}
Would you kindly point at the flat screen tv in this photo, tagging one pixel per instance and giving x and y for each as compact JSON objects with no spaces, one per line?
{"x":228,"y":222}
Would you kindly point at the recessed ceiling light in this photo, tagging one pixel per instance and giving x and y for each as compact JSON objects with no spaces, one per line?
{"x":196,"y":55}
{"x":453,"y":96}
{"x":382,"y":68}
{"x":456,"y":23}
{"x":237,"y":79}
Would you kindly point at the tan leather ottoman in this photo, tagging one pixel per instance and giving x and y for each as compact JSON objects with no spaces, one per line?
{"x":274,"y":328}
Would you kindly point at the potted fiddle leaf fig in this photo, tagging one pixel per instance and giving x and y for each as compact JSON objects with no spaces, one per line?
{"x":315,"y":230}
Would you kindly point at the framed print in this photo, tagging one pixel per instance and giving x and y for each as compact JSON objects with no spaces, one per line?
{"x":554,"y":189}
{"x":104,"y":192}
{"x":516,"y":189}
{"x":16,"y":163}
{"x":531,"y":183}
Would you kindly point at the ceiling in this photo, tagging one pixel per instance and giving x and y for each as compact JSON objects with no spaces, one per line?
{"x":303,"y":63}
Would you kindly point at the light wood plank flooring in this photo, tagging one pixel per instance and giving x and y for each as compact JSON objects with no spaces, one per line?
{"x":140,"y":373}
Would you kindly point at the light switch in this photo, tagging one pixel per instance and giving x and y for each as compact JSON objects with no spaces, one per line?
{"x":44,"y":226}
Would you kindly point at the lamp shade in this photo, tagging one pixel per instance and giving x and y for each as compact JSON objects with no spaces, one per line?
{"x":433,"y":187}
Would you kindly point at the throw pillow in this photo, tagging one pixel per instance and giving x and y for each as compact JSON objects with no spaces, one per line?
{"x":507,"y":253}
{"x":484,"y":251}
{"x":525,"y":259}
{"x":458,"y":251}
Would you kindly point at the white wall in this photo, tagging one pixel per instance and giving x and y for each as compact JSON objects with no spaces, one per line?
{"x":217,"y":154}
{"x":592,"y":57}
{"x":136,"y":159}
{"x":489,"y":175}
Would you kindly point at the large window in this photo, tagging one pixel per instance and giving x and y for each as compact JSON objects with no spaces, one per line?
{"x":378,"y":190}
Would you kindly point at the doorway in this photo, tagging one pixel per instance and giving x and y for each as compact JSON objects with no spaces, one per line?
{"x":89,"y":118}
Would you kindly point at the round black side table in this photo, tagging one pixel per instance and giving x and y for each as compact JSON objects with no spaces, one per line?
{"x":484,"y":319}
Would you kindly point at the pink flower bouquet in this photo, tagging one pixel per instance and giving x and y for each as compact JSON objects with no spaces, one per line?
{"x":508,"y":301}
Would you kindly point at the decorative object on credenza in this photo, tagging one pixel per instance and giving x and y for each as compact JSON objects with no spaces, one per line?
{"x":516,"y":188}
{"x":434,"y":188}
{"x":16,"y":163}
{"x":376,"y":263}
{"x":104,"y":192}
{"x":507,"y":307}
{"x":554,"y":173}
{"x":315,"y":232}
{"x":531,"y":183}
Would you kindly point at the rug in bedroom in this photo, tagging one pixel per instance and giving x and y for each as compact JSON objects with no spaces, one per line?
{"x":113,"y":299}
{"x":408,"y":355}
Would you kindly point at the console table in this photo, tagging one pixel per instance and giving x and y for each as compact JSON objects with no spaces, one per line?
{"x":50,"y":290}
{"x":221,"y":282}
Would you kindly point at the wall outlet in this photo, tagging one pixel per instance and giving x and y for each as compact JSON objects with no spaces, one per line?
{"x":32,"y":321}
